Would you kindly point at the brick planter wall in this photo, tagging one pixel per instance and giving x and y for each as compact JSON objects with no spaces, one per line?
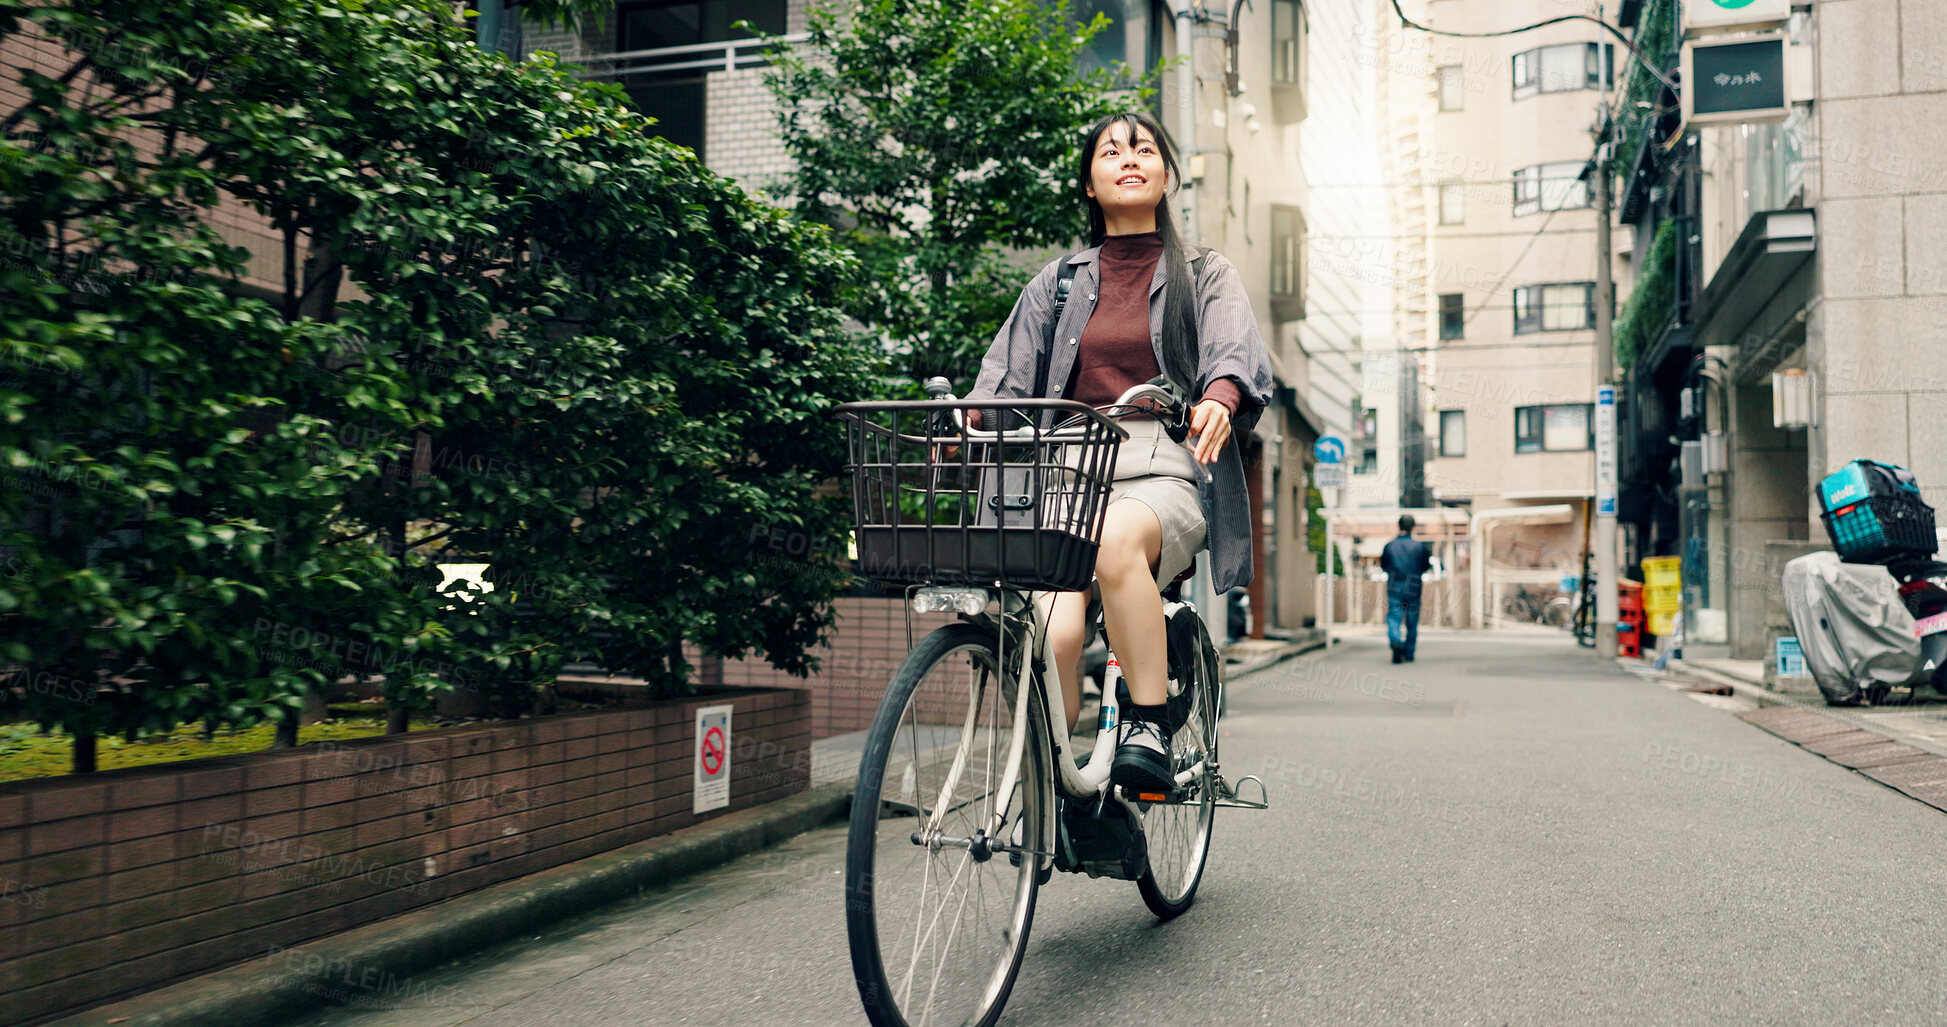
{"x":126,"y":880}
{"x":868,"y":643}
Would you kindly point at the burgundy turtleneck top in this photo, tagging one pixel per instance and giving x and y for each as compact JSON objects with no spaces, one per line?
{"x":1115,"y":349}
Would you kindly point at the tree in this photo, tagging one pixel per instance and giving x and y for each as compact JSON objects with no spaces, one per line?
{"x":218,"y":500}
{"x":937,"y":135}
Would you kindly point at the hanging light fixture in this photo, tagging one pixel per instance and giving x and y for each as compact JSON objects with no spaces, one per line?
{"x":1791,"y":399}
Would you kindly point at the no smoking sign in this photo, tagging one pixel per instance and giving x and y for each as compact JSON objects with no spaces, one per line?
{"x":712,"y":773}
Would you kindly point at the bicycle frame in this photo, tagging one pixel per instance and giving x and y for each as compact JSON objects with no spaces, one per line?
{"x":1078,"y":784}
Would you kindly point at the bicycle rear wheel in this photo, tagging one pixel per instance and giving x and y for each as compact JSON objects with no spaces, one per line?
{"x":938,"y":918}
{"x":1177,"y":831}
{"x":1584,"y":626}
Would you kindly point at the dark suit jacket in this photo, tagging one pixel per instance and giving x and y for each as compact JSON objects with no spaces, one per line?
{"x":1404,"y":559}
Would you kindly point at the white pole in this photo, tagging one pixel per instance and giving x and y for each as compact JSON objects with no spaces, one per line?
{"x":1606,"y":601}
{"x":1331,"y":502}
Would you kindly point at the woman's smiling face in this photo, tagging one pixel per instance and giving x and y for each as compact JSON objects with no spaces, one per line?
{"x":1127,"y":175}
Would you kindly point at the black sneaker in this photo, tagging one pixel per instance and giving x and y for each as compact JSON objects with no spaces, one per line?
{"x":1142,"y":761}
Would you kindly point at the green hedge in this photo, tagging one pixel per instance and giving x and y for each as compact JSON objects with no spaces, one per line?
{"x":1648,"y":309}
{"x":579,"y":356}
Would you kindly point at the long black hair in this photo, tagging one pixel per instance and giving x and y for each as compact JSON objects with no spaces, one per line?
{"x":1179,"y":292}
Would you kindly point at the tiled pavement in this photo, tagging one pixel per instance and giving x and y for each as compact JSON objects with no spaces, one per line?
{"x":1914,"y":772}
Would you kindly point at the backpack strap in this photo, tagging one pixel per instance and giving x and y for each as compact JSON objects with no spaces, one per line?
{"x":1064,"y":282}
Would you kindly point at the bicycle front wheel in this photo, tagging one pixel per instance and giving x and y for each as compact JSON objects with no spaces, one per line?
{"x":942,"y":864}
{"x":1178,"y":831}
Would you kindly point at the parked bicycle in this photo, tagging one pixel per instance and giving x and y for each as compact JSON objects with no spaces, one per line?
{"x":968,"y":797}
{"x":1582,"y":621}
{"x":1532,"y":606}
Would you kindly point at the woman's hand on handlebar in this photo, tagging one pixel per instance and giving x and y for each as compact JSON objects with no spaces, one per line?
{"x":1210,"y":428}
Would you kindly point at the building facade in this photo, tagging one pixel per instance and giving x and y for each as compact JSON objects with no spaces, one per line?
{"x":1485,"y":142}
{"x":1795,"y":254}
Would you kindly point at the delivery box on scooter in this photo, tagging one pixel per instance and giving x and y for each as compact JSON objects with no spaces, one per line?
{"x":1873,"y":513}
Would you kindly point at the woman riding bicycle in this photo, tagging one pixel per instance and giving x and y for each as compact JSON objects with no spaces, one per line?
{"x":1131,"y":317}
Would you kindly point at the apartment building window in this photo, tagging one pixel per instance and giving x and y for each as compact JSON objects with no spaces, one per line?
{"x":1367,"y":427}
{"x":676,"y":98}
{"x":1286,"y":28}
{"x":1556,"y":428}
{"x":1557,"y":186}
{"x":1287,"y":264}
{"x":1560,"y":69}
{"x":1134,"y":35}
{"x":1557,"y":307}
{"x":655,"y":24}
{"x":1453,"y":433}
{"x":1453,"y":203}
{"x":1453,"y":316}
{"x":1453,"y":90}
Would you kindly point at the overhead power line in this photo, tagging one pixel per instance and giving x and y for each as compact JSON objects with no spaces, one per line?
{"x":1611,"y":29}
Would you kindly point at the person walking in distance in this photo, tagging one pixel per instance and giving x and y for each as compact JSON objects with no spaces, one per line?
{"x":1404,"y":559}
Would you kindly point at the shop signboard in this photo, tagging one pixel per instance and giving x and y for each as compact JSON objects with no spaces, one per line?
{"x":1736,"y":81}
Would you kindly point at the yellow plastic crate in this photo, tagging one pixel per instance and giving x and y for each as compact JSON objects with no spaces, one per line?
{"x":1662,"y":571}
{"x":1662,"y":598}
{"x":1662,"y":624}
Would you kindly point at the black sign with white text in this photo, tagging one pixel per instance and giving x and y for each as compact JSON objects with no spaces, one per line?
{"x":1743,"y":76}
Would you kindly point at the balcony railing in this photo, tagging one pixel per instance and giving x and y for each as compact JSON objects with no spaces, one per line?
{"x":727,"y":55}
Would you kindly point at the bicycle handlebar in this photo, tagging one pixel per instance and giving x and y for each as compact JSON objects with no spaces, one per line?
{"x":958,"y":406}
{"x":1131,"y":399}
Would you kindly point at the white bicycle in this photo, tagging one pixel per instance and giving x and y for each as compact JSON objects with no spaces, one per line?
{"x":968,"y":796}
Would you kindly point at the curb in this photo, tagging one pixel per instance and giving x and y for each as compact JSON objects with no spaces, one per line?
{"x":1271,"y":659}
{"x":271,"y":989}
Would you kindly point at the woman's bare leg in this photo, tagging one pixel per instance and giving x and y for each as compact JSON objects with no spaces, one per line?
{"x":1132,"y":606}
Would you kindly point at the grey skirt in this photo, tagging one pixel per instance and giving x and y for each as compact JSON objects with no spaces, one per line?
{"x":1160,"y":473}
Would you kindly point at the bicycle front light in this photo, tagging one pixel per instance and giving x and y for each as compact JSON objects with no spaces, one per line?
{"x":969,"y":601}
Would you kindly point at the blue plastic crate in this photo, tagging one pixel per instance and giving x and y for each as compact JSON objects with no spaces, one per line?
{"x":1862,"y":478}
{"x":1873,"y":513}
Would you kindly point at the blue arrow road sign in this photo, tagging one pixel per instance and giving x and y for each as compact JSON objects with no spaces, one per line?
{"x":1329,"y":449}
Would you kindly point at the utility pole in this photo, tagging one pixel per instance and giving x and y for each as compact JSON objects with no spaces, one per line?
{"x":1606,"y":605}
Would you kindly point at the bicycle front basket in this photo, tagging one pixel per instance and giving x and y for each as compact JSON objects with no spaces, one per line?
{"x":1021,"y":509}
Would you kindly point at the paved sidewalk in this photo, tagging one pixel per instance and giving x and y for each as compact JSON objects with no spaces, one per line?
{"x":1903,"y":747}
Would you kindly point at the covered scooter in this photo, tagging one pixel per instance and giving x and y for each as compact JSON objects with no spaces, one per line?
{"x":1861,"y":638}
{"x":1856,"y":634}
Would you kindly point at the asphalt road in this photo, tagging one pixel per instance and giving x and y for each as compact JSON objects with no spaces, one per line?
{"x":1504,"y":832}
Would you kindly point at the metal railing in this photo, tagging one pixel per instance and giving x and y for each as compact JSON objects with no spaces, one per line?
{"x":727,"y":55}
